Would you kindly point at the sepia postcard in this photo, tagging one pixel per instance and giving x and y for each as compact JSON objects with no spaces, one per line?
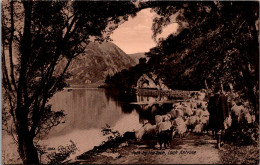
{"x":130,"y":82}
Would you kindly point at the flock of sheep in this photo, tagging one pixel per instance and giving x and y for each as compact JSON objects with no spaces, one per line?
{"x":190,"y":115}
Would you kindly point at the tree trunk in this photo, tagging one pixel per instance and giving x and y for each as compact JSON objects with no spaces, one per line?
{"x":27,"y":150}
{"x":249,"y":84}
{"x":253,"y":53}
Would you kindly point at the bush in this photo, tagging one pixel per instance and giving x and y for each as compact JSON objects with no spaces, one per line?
{"x":63,"y":153}
{"x":243,"y":134}
{"x":114,"y":137}
{"x":236,"y":154}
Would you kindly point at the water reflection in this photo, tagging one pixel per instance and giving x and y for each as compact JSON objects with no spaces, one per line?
{"x":94,"y":108}
{"x":151,"y":99}
{"x":88,"y":110}
{"x":122,"y":99}
{"x":146,"y":106}
{"x":85,"y":109}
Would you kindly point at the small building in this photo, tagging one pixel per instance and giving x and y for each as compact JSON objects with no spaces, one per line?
{"x":151,"y":81}
{"x":146,"y":82}
{"x":87,"y":81}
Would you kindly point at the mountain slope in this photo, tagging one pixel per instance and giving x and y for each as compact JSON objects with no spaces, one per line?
{"x":137,"y":56}
{"x":98,"y":61}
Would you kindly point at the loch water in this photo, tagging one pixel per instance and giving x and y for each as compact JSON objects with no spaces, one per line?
{"x":91,"y":109}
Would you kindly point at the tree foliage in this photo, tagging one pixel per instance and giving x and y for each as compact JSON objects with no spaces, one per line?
{"x":222,"y":29}
{"x":215,"y":42}
{"x":219,"y":44}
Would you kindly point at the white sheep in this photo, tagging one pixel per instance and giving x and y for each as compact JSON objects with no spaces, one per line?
{"x":185,"y":104}
{"x":158,"y":119}
{"x":253,"y":118}
{"x":204,"y":120}
{"x":193,"y":120}
{"x":176,"y":105}
{"x":180,"y":126}
{"x":237,"y":110}
{"x":199,"y":112}
{"x":166,"y":117}
{"x":162,"y":118}
{"x":245,"y":110}
{"x":204,"y":114}
{"x":149,"y":128}
{"x":188,"y":111}
{"x":173,"y":113}
{"x":164,"y":126}
{"x":201,"y":95}
{"x":248,"y":118}
{"x":242,"y":112}
{"x":199,"y":128}
{"x":179,"y":113}
{"x":193,"y":105}
{"x":246,"y":104}
{"x":227,"y":122}
{"x":202,"y":104}
{"x":146,"y":129}
{"x":139,"y":133}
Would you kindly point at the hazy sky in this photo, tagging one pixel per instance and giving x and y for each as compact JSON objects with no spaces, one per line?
{"x":135,"y":35}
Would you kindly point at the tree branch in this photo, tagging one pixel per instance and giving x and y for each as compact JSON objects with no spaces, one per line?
{"x":11,"y":45}
{"x":7,"y":84}
{"x":39,"y":115}
{"x":5,"y":77}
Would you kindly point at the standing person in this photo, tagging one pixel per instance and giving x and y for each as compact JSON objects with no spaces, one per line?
{"x":218,"y":109}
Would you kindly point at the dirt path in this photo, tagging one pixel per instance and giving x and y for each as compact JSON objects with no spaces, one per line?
{"x":192,"y":149}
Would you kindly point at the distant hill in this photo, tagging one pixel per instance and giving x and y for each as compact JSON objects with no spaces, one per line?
{"x":136,"y":56}
{"x":98,"y":60}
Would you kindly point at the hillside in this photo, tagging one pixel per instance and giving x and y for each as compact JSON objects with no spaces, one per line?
{"x":98,"y":61}
{"x":136,"y":56}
